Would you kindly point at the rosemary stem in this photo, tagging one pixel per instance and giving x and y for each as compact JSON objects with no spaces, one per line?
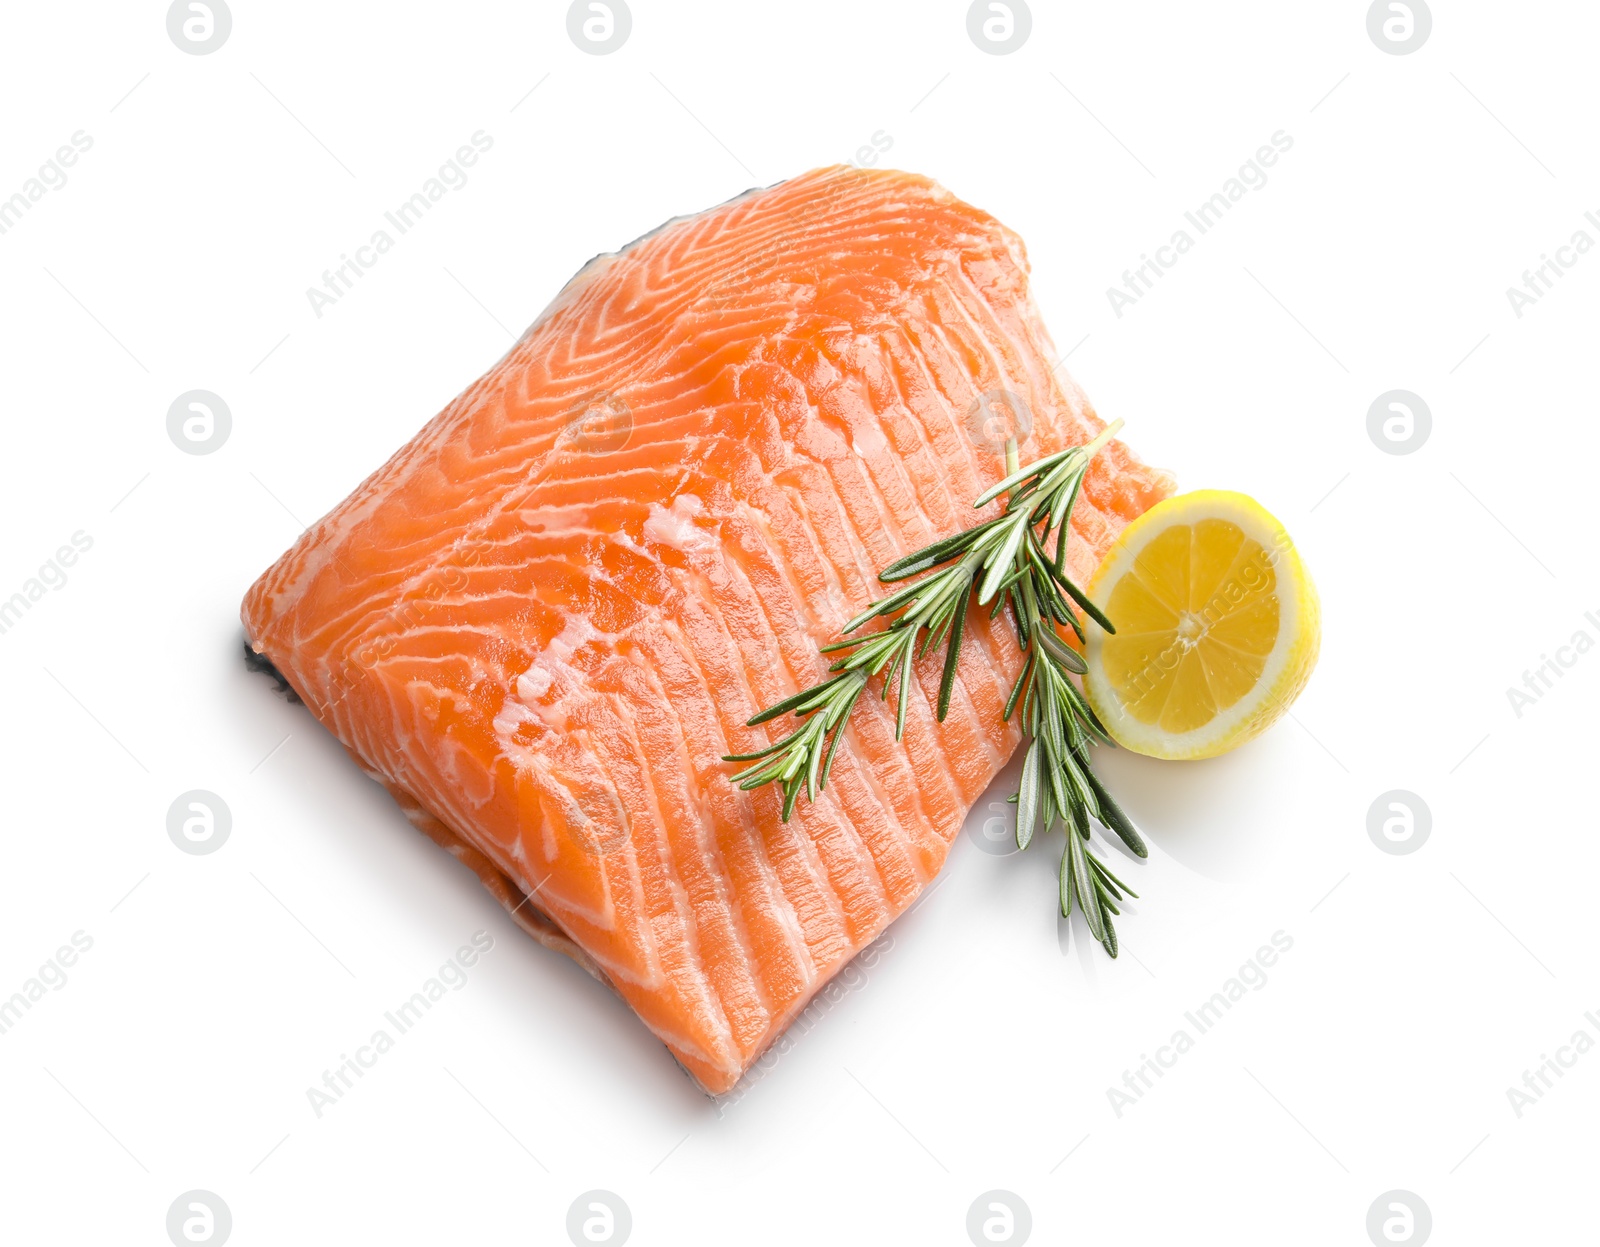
{"x":1093,"y":448}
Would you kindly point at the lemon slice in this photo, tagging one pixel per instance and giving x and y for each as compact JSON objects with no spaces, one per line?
{"x":1217,"y":627}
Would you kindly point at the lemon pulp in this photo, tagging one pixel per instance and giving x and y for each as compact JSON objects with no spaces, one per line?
{"x":1217,"y":627}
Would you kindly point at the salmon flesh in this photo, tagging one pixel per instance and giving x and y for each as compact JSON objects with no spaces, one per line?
{"x":546,"y":619}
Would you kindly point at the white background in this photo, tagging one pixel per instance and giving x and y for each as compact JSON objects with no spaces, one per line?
{"x":979,"y":1052}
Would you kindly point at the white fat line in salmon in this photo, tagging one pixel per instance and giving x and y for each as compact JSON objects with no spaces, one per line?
{"x":52,"y":975}
{"x":52,"y":176}
{"x":596,"y":423}
{"x":1541,"y":279}
{"x":452,"y":175}
{"x":52,"y":574}
{"x":452,"y":975}
{"x":1252,"y":975}
{"x":853,"y":977}
{"x":1139,"y":280}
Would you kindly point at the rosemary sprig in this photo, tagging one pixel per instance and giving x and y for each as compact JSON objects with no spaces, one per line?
{"x":1005,"y":561}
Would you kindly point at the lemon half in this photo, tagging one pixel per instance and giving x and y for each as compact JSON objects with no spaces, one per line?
{"x":1218,"y":627}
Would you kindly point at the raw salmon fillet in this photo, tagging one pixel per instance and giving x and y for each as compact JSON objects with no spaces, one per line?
{"x":546,"y":618}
